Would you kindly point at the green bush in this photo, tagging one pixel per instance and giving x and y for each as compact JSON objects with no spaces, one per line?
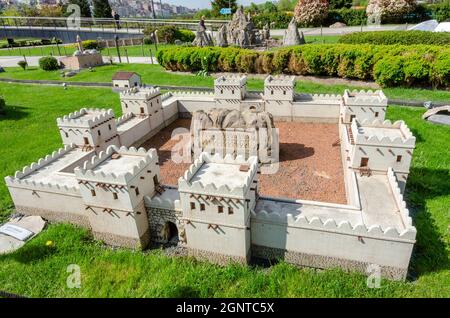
{"x":2,"y":105}
{"x":23,"y":64}
{"x":276,"y":20}
{"x":48,"y":63}
{"x":397,"y":37}
{"x":90,"y":45}
{"x":441,"y":12}
{"x":169,"y":33}
{"x":184,"y":35}
{"x":351,"y":17}
{"x":388,"y":65}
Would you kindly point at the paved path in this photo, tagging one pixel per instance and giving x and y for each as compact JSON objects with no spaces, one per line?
{"x":11,"y":61}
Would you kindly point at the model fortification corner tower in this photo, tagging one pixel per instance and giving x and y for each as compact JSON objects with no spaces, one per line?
{"x":91,"y":129}
{"x":217,"y":194}
{"x":113,"y":186}
{"x":363,"y":105}
{"x":229,"y":91}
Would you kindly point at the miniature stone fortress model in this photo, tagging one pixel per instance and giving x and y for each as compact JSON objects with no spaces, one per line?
{"x":100,"y":181}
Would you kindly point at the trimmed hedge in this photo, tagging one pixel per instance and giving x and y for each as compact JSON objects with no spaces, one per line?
{"x":48,"y":63}
{"x":169,"y":34}
{"x":22,"y":43}
{"x":388,"y":65}
{"x":397,"y":37}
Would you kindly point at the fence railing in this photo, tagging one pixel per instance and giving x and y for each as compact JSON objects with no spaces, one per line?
{"x":125,"y":24}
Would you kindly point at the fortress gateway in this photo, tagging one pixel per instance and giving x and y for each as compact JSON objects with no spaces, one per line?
{"x":100,"y":181}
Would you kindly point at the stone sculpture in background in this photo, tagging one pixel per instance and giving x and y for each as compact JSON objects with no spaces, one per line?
{"x":240,"y":31}
{"x":265,"y":35}
{"x":292,"y":36}
{"x":202,"y":38}
{"x":221,"y":37}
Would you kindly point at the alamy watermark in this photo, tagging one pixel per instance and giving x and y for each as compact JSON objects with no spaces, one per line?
{"x":74,"y":278}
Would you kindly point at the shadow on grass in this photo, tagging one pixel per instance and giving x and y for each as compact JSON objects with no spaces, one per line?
{"x":30,"y":253}
{"x":14,"y":113}
{"x":430,"y":253}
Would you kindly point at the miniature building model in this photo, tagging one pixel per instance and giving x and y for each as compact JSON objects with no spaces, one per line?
{"x":248,"y":133}
{"x":89,"y":129}
{"x":124,"y":80}
{"x":216,"y":211}
{"x":377,"y":146}
{"x":229,"y":91}
{"x":112,"y":187}
{"x":82,"y":58}
{"x":217,"y":194}
{"x":363,"y":105}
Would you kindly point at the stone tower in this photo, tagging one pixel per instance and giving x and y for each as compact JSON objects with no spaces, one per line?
{"x":216,"y":196}
{"x":143,"y":101}
{"x":363,"y":105}
{"x":230,"y":91}
{"x":377,"y":146}
{"x":91,"y":129}
{"x":113,"y":186}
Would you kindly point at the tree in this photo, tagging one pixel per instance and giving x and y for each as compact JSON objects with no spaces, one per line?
{"x":219,"y":4}
{"x":390,"y":7}
{"x":102,"y":9}
{"x":286,"y":5}
{"x":51,"y":11}
{"x":85,"y":8}
{"x":311,"y":12}
{"x":253,"y":8}
{"x":339,"y":4}
{"x":269,"y":7}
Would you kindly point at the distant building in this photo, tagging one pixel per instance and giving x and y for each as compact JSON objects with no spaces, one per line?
{"x":125,"y":80}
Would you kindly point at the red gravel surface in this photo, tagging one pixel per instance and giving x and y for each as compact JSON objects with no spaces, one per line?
{"x":310,"y":163}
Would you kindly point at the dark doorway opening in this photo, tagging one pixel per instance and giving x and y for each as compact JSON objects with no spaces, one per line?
{"x":364,"y":162}
{"x":171,"y":233}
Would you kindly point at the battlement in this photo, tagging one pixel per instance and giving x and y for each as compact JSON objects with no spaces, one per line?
{"x":116,"y":165}
{"x":234,"y":80}
{"x":86,"y":117}
{"x":381,"y":133}
{"x":189,"y":94}
{"x":317,"y":98}
{"x":278,"y":212}
{"x":398,"y":197}
{"x":21,"y":179}
{"x":42,"y":162}
{"x":200,"y":177}
{"x":280,"y":80}
{"x":365,"y":98}
{"x":124,"y":118}
{"x":140,"y":92}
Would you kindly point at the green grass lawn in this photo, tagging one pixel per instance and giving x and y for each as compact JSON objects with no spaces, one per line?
{"x":135,"y":50}
{"x":28,"y":131}
{"x":325,"y":39}
{"x":157,"y":75}
{"x":316,"y":39}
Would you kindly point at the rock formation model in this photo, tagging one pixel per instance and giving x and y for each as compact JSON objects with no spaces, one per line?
{"x":221,"y":37}
{"x":202,"y":38}
{"x":240,"y":31}
{"x":218,"y":118}
{"x":292,"y":36}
